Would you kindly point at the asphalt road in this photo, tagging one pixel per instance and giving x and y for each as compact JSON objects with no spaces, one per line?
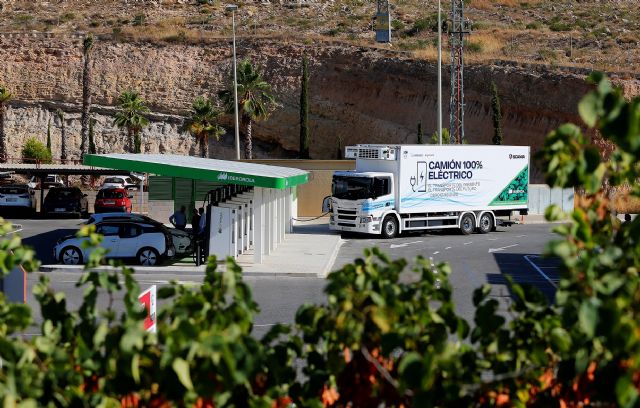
{"x":475,"y":259}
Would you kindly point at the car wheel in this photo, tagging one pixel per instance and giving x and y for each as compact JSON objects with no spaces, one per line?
{"x":71,"y":256}
{"x":467,"y":224}
{"x":486,"y":223}
{"x":148,"y":257}
{"x":389,"y":227}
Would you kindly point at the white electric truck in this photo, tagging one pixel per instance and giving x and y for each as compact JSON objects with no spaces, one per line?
{"x":398,"y":188}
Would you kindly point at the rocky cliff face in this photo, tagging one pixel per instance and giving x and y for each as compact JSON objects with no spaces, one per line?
{"x":358,"y":95}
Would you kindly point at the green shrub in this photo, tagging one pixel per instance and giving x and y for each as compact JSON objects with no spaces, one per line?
{"x":533,"y":26}
{"x":139,"y":19}
{"x":66,"y":17}
{"x":473,"y":47}
{"x":397,"y":25}
{"x":35,"y":151}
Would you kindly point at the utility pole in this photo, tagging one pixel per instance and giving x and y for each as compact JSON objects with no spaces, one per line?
{"x":459,"y":28}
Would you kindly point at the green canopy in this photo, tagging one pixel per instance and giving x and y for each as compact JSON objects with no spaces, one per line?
{"x":221,"y":171}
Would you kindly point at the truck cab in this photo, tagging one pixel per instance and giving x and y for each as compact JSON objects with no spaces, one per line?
{"x":360,"y":200}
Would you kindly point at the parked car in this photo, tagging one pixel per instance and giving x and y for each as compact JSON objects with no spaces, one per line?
{"x":66,"y":200}
{"x":112,"y":200}
{"x":182,"y":240}
{"x":18,"y":196}
{"x":52,"y":180}
{"x":124,"y":239}
{"x":119,"y":182}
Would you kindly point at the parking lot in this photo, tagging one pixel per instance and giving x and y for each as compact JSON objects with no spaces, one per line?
{"x":475,"y":260}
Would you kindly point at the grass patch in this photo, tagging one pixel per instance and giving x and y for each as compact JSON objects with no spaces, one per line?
{"x":66,"y":17}
{"x":474,"y":47}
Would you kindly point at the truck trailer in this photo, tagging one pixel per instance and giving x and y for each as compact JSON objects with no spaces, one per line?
{"x":398,"y":188}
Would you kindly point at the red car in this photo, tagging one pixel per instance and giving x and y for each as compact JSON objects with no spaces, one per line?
{"x":113,"y":200}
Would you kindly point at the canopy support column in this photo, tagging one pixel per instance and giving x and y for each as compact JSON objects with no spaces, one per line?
{"x":259,"y":225}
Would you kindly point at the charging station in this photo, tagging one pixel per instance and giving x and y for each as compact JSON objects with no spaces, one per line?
{"x":250,"y":210}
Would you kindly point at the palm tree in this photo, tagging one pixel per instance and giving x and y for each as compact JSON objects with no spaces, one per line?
{"x":254,"y":100}
{"x":63,"y":136}
{"x":5,"y":96}
{"x":130,"y":117}
{"x":86,"y":94}
{"x":203,"y":123}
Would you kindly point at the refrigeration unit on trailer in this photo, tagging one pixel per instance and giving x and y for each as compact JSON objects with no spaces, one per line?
{"x":421,"y":187}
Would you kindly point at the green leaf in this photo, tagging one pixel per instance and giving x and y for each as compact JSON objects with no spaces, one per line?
{"x":181,"y":369}
{"x":588,"y":109}
{"x":381,"y":319}
{"x":588,"y":317}
{"x":561,"y":339}
{"x":135,"y":368}
{"x":626,"y":392}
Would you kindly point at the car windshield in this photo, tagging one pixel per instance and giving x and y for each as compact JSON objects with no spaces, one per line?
{"x":358,"y":188}
{"x":13,"y":190}
{"x":114,"y":180}
{"x":110,"y":194}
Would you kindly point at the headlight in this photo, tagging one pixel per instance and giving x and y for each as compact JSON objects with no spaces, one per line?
{"x":365,"y":220}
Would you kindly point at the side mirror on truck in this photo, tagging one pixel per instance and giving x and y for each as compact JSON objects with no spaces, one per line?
{"x":326,"y":204}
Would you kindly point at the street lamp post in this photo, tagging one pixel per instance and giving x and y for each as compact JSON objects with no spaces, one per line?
{"x":439,"y":75}
{"x":232,"y":8}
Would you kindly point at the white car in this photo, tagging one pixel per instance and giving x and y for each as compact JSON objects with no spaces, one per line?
{"x":18,"y":196}
{"x":119,"y":182}
{"x":146,"y":243}
{"x":50,"y":181}
{"x":182,"y":240}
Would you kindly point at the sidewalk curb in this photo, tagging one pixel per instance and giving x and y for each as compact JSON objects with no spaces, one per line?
{"x":332,"y":259}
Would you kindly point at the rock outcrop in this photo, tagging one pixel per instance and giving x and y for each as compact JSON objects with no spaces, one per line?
{"x":358,"y":94}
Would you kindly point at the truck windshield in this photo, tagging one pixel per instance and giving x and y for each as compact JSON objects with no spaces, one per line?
{"x":358,"y":188}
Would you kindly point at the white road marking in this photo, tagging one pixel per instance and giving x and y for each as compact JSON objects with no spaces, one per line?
{"x":436,"y":253}
{"x":540,"y":271}
{"x":403,"y":245}
{"x":467,"y":243}
{"x":492,"y":239}
{"x":448,"y":248}
{"x":502,"y":248}
{"x":265,"y":325}
{"x":520,"y":236}
{"x":16,"y":230}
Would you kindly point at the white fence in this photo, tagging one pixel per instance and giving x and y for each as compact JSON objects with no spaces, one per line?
{"x":541,"y":196}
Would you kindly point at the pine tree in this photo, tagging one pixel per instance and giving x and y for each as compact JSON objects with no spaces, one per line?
{"x":420,"y":134}
{"x":496,"y":115}
{"x":304,"y":110}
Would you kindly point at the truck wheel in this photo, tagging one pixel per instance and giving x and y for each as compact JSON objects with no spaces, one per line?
{"x":467,"y":224}
{"x":389,"y":227}
{"x":486,"y":223}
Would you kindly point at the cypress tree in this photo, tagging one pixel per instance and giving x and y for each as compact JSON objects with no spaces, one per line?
{"x":304,"y":110}
{"x":496,"y":115}
{"x":49,"y":136}
{"x":63,"y":137}
{"x":420,"y":134}
{"x":92,"y":145}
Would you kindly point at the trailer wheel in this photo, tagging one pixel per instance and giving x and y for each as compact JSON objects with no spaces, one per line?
{"x":389,"y":227}
{"x":486,"y":223}
{"x":467,"y":224}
